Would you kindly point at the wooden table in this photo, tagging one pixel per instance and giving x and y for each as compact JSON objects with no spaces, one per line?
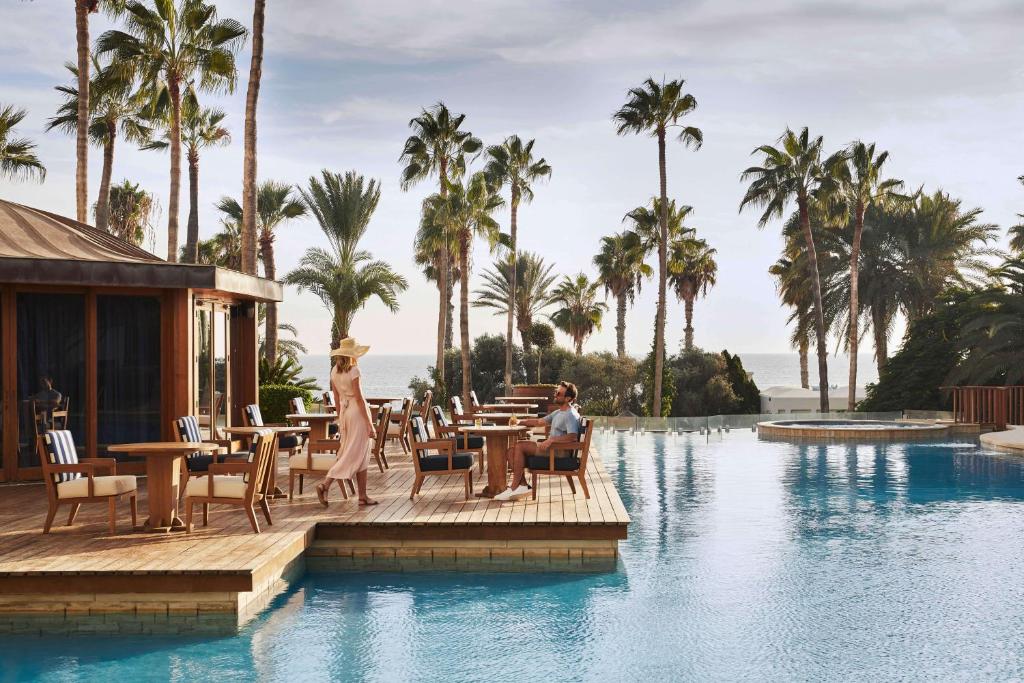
{"x":271,"y":489}
{"x":163,"y":472}
{"x":521,"y":399}
{"x":509,"y":407}
{"x":497,"y":438}
{"x":384,"y":399}
{"x":500,"y":418}
{"x":317,"y":423}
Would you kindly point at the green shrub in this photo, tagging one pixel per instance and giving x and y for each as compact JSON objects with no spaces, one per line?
{"x":275,"y":401}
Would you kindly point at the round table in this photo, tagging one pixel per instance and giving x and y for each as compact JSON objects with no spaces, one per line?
{"x":500,"y":418}
{"x":271,"y":489}
{"x":317,"y":423}
{"x":163,"y":472}
{"x":497,"y":438}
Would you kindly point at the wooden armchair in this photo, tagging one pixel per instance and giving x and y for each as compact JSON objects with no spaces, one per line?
{"x":399,"y":426}
{"x":197,"y":464}
{"x":286,"y":443}
{"x":424,"y":408}
{"x":436,"y":456}
{"x":73,"y":481}
{"x":383,"y":422}
{"x":464,"y":443}
{"x":565,"y":460}
{"x":330,"y":407}
{"x":235,"y":483}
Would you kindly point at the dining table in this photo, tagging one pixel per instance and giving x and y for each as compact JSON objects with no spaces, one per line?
{"x":522,"y":399}
{"x":500,"y":418}
{"x":271,"y":488}
{"x":506,"y":407}
{"x":497,"y":439}
{"x":384,"y":399}
{"x":164,"y":460}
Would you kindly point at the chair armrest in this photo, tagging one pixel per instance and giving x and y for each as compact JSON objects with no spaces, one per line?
{"x":450,"y":429}
{"x":109,"y":464}
{"x":79,"y":468}
{"x":231,"y":468}
{"x":436,"y":444}
{"x":566,"y":446}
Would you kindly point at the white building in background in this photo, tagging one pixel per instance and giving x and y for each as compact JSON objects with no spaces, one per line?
{"x":783,"y":399}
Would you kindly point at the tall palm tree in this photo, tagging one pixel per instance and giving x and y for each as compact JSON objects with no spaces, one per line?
{"x":113,"y":111}
{"x":83,"y":8}
{"x":201,"y":128}
{"x":250,"y":201}
{"x":432,"y":249}
{"x":692,"y":271}
{"x":275,"y":204}
{"x":438,"y":147}
{"x":131,"y":213}
{"x":511,"y":163}
{"x":170,"y":45}
{"x":469,"y":211}
{"x":1017,"y":231}
{"x":652,"y":109}
{"x":621,"y":270}
{"x":794,"y":171}
{"x":344,"y":277}
{"x":646,"y":223}
{"x":17,"y":155}
{"x":862,"y":186}
{"x":794,"y":290}
{"x":580,"y":313}
{"x":992,"y":331}
{"x":534,"y":281}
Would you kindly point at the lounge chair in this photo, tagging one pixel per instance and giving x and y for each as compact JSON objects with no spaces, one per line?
{"x":437,"y":456}
{"x":73,"y":481}
{"x":235,"y":483}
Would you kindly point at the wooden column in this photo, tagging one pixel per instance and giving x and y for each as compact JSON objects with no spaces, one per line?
{"x":177,"y":352}
{"x":9,"y":385}
{"x":244,"y":359}
{"x":91,"y":375}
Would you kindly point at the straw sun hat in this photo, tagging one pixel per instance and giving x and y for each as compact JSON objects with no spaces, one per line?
{"x":349,"y":347}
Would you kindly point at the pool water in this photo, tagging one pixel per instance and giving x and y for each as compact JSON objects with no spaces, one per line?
{"x":747,"y":560}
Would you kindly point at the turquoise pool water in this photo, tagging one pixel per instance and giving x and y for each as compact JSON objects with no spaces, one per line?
{"x":747,"y":560}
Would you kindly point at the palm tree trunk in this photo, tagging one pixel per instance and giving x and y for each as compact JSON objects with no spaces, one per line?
{"x":858,"y":231}
{"x":620,"y":326}
{"x":464,"y":313}
{"x":443,"y":289}
{"x":805,"y":380}
{"x":449,"y":307}
{"x":249,"y":156}
{"x":819,"y":312}
{"x":688,"y":330}
{"x":270,"y":270}
{"x":881,"y":340}
{"x":82,"y":131}
{"x":192,"y":227}
{"x":579,"y":346}
{"x":538,"y":364}
{"x":174,"y":88}
{"x":659,"y":317}
{"x":103,"y":201}
{"x":524,"y":323}
{"x":514,"y":207}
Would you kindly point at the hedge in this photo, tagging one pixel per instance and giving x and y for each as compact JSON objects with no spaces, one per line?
{"x":276,"y":401}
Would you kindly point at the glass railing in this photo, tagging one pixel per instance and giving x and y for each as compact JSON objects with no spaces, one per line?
{"x":725,"y":423}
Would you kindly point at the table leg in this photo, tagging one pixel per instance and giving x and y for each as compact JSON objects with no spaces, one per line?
{"x":162,"y":476}
{"x":271,"y":489}
{"x":497,"y":481}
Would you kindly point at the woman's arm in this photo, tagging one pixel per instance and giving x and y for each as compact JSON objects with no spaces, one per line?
{"x":357,"y":388}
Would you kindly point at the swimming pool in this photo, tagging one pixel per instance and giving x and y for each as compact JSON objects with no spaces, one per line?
{"x":746,"y":560}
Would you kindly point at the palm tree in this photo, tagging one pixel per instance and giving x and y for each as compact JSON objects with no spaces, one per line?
{"x":862,"y":187}
{"x":250,"y":201}
{"x":653,"y":108}
{"x":580,"y":313}
{"x":432,"y":247}
{"x":468,"y":211}
{"x":344,"y":277}
{"x":224,"y":249}
{"x":511,"y":163}
{"x":275,"y":204}
{"x":83,"y":8}
{"x":113,"y":110}
{"x":1017,"y":231}
{"x":131,"y":213}
{"x":17,"y":156}
{"x":992,"y":332}
{"x":170,"y":46}
{"x":201,"y":128}
{"x":438,"y":147}
{"x":692,"y":271}
{"x":621,"y":269}
{"x":646,"y":222}
{"x":793,"y":287}
{"x":795,"y":171}
{"x":533,"y":291}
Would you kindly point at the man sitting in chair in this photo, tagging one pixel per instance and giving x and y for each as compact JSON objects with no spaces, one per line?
{"x":564,"y":426}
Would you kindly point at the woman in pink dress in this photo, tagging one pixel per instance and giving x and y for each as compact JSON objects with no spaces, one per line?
{"x":355,"y":425}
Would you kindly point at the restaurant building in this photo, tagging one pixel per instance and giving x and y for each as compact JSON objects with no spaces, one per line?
{"x":127,"y":340}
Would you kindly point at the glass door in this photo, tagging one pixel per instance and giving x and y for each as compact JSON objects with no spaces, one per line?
{"x":212,"y":368}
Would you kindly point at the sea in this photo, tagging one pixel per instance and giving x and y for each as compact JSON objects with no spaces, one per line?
{"x":389,"y":375}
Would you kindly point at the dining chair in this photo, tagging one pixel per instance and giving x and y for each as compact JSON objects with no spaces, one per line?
{"x":464,"y":442}
{"x":383,"y":422}
{"x":437,"y":457}
{"x":398,"y":427}
{"x":566,"y":459}
{"x":286,"y":443}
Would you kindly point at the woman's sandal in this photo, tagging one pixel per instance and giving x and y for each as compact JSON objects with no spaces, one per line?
{"x":321,"y":493}
{"x":367,"y":501}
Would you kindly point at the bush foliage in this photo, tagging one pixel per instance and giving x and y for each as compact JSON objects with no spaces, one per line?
{"x":275,"y":401}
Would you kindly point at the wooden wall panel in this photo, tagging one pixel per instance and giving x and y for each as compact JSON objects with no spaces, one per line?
{"x":244,"y":358}
{"x":9,"y":384}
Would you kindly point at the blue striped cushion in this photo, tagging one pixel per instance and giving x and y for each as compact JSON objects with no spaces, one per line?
{"x":298,"y":405}
{"x":188,"y":430}
{"x":457,"y":406}
{"x":473,"y":399}
{"x":439,"y":416}
{"x":255,"y":417}
{"x":60,"y":450}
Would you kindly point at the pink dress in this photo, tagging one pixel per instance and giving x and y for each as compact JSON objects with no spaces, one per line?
{"x":355,"y":448}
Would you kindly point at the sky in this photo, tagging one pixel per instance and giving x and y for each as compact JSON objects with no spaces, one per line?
{"x":937,"y":84}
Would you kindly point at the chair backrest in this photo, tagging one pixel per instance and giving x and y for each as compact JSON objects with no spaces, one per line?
{"x":473,"y":400}
{"x":253,"y":416}
{"x":298,"y":405}
{"x":329,"y":399}
{"x":59,"y":448}
{"x":383,"y":419}
{"x":418,"y":429}
{"x":59,"y":417}
{"x":188,"y":431}
{"x":439,"y":419}
{"x":457,"y":410}
{"x":406,"y":411}
{"x":428,"y":397}
{"x":261,"y":453}
{"x":586,"y":432}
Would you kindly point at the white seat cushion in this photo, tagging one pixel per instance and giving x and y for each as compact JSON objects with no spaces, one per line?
{"x":321,"y":462}
{"x":224,"y":486}
{"x":394,"y":429}
{"x":102,"y":486}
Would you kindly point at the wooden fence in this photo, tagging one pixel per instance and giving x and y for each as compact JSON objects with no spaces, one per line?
{"x":996,"y":406}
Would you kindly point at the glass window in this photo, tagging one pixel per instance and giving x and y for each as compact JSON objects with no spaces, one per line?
{"x":51,"y":369}
{"x":221,"y":367}
{"x":203,"y":348}
{"x":128,"y":370}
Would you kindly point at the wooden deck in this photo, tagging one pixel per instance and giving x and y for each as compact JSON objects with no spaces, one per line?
{"x":228,"y":570}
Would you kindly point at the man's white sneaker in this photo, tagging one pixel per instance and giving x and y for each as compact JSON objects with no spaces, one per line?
{"x":520,"y":490}
{"x":504,"y":495}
